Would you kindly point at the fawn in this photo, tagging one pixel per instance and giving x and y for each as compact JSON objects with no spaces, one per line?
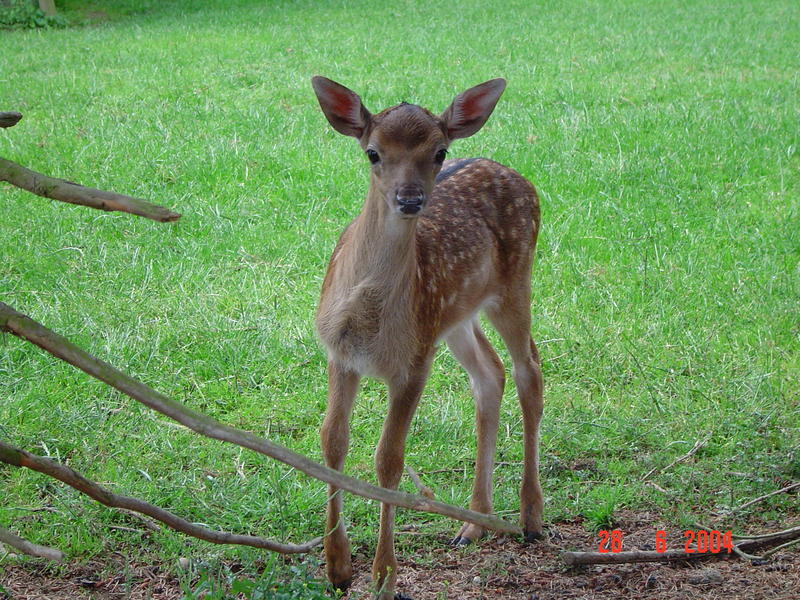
{"x":436,"y":242}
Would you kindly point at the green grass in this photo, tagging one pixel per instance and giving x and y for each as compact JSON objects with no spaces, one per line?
{"x":663,"y":139}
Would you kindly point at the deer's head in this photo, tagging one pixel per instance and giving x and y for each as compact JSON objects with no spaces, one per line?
{"x":406,"y":144}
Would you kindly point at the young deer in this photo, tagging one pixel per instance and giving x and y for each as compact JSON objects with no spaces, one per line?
{"x":436,"y":242}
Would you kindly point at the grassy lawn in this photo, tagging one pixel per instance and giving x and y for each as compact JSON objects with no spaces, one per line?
{"x":663,"y":138}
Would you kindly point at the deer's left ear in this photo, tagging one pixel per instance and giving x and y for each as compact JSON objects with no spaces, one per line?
{"x":471,"y":109}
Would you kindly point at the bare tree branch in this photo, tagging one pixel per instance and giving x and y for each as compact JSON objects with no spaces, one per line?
{"x":26,"y":328}
{"x":29,"y":548}
{"x":20,"y":458}
{"x":9,"y":119}
{"x":66,"y":191}
{"x":597,"y":558}
{"x":765,"y":496}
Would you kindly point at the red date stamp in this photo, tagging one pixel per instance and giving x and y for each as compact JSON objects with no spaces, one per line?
{"x":695,"y":541}
{"x":610,"y":541}
{"x":702,"y":541}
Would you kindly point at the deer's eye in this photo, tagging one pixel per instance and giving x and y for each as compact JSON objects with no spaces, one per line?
{"x":373,"y":156}
{"x":440,"y":156}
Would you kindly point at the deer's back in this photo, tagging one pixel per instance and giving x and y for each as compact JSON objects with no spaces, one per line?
{"x":479,"y":209}
{"x":479,"y":231}
{"x":477,"y":201}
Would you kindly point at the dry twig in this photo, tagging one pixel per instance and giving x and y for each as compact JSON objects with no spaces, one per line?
{"x":421,"y":487}
{"x":66,"y":191}
{"x":20,"y":458}
{"x":697,"y":445}
{"x":29,"y":548}
{"x":765,"y":496}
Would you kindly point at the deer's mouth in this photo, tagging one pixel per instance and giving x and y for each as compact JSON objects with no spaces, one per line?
{"x":410,"y":210}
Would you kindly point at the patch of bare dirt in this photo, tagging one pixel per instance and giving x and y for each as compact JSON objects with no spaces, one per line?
{"x":505,"y":568}
{"x":36,"y":580}
{"x":494,"y":569}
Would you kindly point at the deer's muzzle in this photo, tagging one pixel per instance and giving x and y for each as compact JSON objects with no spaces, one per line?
{"x":410,"y":200}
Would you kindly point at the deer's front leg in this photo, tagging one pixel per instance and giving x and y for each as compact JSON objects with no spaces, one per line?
{"x":389,"y":459}
{"x":335,"y":438}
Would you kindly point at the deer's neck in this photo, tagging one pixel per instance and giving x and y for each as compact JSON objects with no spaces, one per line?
{"x":384,"y":246}
{"x":366,"y":316}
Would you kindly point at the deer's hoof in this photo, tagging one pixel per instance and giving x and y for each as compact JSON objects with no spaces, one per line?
{"x":342,"y":585}
{"x":532,"y":536}
{"x":402,"y":597}
{"x":460,"y":540}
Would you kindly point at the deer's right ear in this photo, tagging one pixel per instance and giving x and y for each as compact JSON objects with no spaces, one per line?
{"x":342,"y":107}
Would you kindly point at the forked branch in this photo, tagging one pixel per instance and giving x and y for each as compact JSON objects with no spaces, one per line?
{"x":28,"y":329}
{"x":697,"y":445}
{"x":20,"y":458}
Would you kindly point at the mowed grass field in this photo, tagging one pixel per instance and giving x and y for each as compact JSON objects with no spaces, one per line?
{"x":663,"y":139}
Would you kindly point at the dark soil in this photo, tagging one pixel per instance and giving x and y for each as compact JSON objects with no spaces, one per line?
{"x":494,"y":569}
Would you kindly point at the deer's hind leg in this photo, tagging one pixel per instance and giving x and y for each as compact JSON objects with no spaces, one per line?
{"x":487,"y":378}
{"x":512,"y":319}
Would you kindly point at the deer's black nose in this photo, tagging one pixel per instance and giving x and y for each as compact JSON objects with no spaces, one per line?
{"x":410,"y":199}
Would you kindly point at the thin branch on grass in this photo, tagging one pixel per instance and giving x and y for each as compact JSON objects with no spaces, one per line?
{"x":20,"y":458}
{"x":657,"y":487}
{"x":697,"y":445}
{"x":30,"y":548}
{"x":128,"y":529}
{"x":28,"y":329}
{"x":421,"y":487}
{"x":786,"y":538}
{"x":9,"y":119}
{"x":66,"y":191}
{"x":49,"y":509}
{"x":147,"y":523}
{"x":765,"y":496}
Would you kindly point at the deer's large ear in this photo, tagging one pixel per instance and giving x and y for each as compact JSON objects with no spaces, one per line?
{"x":471,"y":109}
{"x":341,"y":106}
